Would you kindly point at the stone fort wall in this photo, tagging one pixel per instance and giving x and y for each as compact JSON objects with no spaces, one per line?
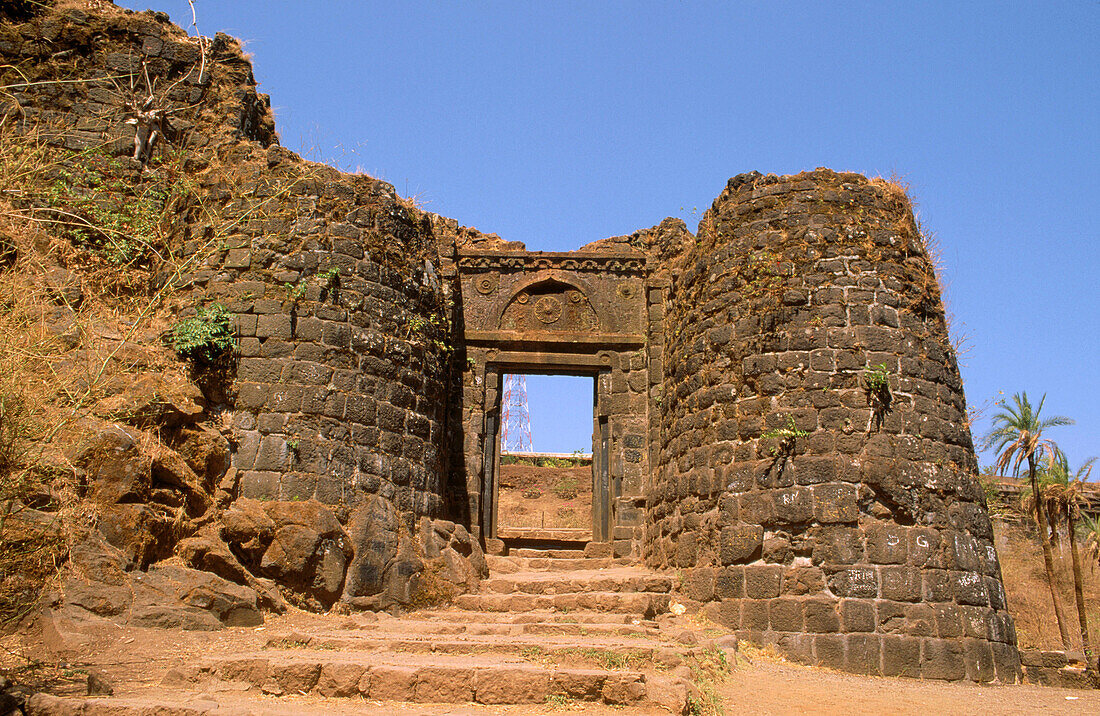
{"x":806,"y":510}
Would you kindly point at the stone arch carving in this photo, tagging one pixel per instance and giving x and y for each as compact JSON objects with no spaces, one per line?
{"x":549,"y":303}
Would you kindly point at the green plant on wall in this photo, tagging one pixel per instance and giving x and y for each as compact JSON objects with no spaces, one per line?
{"x":206,"y":337}
{"x":876,"y":386}
{"x":786,"y":435}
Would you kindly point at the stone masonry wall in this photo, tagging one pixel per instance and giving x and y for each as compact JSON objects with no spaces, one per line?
{"x":338,"y":390}
{"x":841,"y":524}
{"x":340,"y":387}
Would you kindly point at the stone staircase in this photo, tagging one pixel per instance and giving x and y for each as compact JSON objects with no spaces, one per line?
{"x":549,"y":627}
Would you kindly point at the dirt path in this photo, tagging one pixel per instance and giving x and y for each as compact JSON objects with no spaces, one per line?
{"x":136,"y":659}
{"x":766,"y":687}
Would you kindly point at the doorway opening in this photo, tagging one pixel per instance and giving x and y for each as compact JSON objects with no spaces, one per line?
{"x":546,"y":478}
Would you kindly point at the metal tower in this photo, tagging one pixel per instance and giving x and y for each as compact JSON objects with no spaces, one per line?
{"x":515,"y":420}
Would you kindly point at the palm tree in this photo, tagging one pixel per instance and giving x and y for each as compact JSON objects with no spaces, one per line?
{"x":1092,"y":540}
{"x":1017,"y":437}
{"x":1064,"y":488}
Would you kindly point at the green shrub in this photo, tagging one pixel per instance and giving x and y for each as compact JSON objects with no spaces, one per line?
{"x":206,"y":337}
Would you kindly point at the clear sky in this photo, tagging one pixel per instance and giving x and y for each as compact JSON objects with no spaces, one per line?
{"x":558,"y":123}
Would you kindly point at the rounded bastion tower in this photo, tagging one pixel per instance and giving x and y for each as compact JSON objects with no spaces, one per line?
{"x":816,"y":482}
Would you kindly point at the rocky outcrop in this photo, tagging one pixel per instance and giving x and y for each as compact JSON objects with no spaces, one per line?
{"x":247,"y":485}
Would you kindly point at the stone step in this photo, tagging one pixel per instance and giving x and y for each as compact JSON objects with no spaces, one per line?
{"x":547,"y":553}
{"x":500,"y":564}
{"x":535,"y":616}
{"x":486,"y":626}
{"x":647,"y":604}
{"x":620,"y":579}
{"x":559,"y":647}
{"x":478,"y":678}
{"x":546,"y":534}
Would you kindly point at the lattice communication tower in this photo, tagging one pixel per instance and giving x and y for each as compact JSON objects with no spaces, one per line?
{"x":515,"y":419}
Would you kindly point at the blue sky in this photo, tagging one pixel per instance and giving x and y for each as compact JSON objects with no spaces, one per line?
{"x":558,"y":123}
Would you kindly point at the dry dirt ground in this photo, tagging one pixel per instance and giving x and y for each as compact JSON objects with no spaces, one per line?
{"x":545,"y":497}
{"x":135,"y":660}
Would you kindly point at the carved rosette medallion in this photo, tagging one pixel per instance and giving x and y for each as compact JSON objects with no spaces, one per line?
{"x":548,"y":309}
{"x":487,"y":284}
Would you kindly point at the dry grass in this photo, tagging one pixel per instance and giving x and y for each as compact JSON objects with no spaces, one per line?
{"x":898,"y":191}
{"x":1025,"y":583}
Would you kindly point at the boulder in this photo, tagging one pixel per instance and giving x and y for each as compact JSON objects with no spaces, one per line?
{"x":170,"y":469}
{"x":208,"y":552}
{"x":310,"y":513}
{"x":372,"y":530}
{"x":142,"y":533}
{"x":161,"y":399}
{"x":170,"y":593}
{"x":308,"y":552}
{"x":115,"y":467}
{"x":205,"y":450}
{"x":290,"y":554}
{"x":247,"y":526}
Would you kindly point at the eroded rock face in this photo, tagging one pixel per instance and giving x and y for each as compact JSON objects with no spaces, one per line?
{"x":99,"y":581}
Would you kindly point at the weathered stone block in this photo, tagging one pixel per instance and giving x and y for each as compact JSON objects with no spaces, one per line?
{"x":389,"y":683}
{"x":920,"y":620}
{"x":901,"y":584}
{"x":924,"y":543}
{"x":803,"y":580}
{"x":834,"y":503}
{"x":699,"y":584}
{"x":793,"y":506}
{"x":443,"y":684}
{"x":1006,"y":663}
{"x":857,"y":615}
{"x":858,"y":582}
{"x":729,"y":583}
{"x":757,"y":508}
{"x":942,"y":659}
{"x":887,"y":543}
{"x":259,"y":485}
{"x":948,"y":621}
{"x":339,"y":680}
{"x":754,"y":614}
{"x":864,"y":654}
{"x":901,"y":656}
{"x":275,"y":325}
{"x":938,"y":586}
{"x":829,"y":650}
{"x":519,"y":685}
{"x":762,"y":581}
{"x":740,"y":543}
{"x":970,"y":588}
{"x":979,"y":660}
{"x":833,"y":544}
{"x":821,"y":616}
{"x":785,"y":614}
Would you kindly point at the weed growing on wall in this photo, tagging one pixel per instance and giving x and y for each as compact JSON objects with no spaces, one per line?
{"x":786,"y":435}
{"x":207,"y":337}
